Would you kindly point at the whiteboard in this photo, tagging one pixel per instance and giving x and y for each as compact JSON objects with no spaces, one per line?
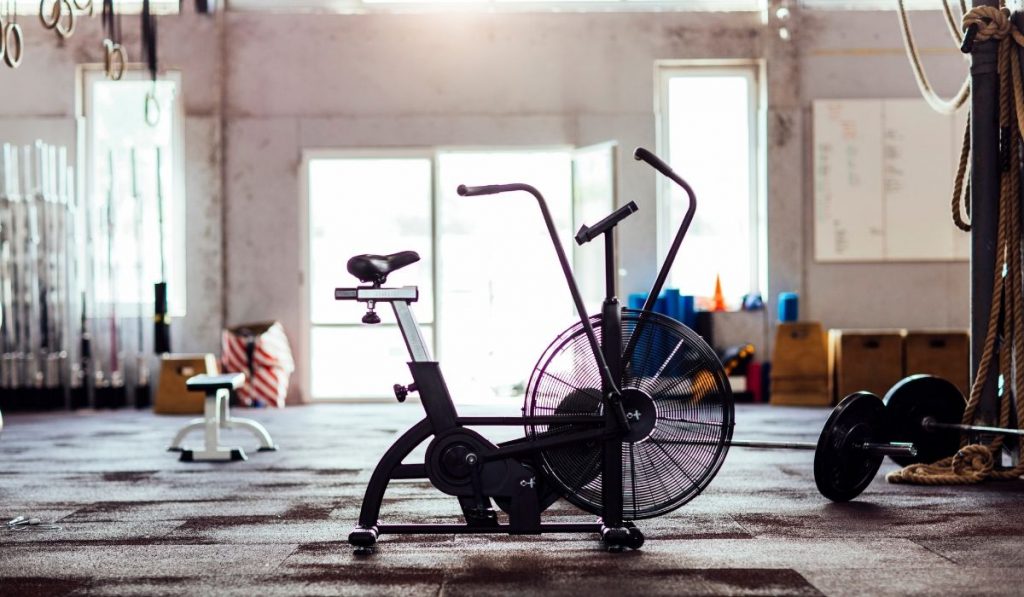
{"x":883,"y":181}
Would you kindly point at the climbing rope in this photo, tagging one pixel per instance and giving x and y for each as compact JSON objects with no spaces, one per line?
{"x":943,"y":106}
{"x":961,"y":203}
{"x":1005,"y":334}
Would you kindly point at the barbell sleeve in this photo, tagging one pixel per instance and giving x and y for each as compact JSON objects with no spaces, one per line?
{"x":890,"y":449}
{"x":930,"y":424}
{"x":877,"y":449}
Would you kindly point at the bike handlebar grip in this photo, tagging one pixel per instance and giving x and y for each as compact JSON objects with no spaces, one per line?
{"x":587,"y":234}
{"x":642,"y":154}
{"x":489,"y":189}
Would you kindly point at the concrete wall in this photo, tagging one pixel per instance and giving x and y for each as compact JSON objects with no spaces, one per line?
{"x":261,"y":88}
{"x":860,"y":55}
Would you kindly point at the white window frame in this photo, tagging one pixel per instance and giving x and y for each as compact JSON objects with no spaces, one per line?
{"x":754,"y":70}
{"x":178,"y":277}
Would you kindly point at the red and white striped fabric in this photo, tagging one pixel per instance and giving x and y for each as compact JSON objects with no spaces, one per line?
{"x":262,"y":352}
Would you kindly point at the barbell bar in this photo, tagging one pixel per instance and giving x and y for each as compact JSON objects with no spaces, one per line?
{"x":874,"y":448}
{"x":931,"y":424}
{"x":849,"y":451}
{"x":929,"y":411}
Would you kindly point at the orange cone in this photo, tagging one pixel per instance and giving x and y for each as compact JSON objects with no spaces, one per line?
{"x":719,"y":300}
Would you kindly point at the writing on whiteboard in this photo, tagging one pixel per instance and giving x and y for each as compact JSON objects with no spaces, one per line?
{"x":883,"y":180}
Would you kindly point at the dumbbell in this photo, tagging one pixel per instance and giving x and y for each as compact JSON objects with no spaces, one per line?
{"x":929,"y":411}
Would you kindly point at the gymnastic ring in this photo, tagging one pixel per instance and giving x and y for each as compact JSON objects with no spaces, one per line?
{"x":70,"y":29}
{"x":108,"y":47}
{"x":84,"y":5}
{"x":55,"y":14}
{"x":3,"y":39}
{"x":18,"y":35}
{"x":152,"y":112}
{"x":110,"y":50}
{"x":117,"y":66}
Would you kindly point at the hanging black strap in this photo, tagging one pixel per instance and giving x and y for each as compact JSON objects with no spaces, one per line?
{"x":111,"y":21}
{"x":149,"y":39}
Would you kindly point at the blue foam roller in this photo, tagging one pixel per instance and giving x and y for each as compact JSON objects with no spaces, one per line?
{"x":789,"y":306}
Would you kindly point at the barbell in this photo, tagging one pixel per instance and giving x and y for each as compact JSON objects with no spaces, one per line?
{"x":850,"y":449}
{"x":929,"y":411}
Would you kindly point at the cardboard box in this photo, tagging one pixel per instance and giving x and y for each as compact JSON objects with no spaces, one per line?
{"x":865,"y":360}
{"x":945,"y":353}
{"x":799,"y":374}
{"x":172,"y":398}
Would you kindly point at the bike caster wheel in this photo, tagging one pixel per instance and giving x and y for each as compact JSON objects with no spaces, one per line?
{"x":636,"y":538}
{"x":363,"y":540}
{"x":617,"y":539}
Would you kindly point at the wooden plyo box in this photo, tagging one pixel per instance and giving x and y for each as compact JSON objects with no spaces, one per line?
{"x":945,"y":354}
{"x":171,"y":396}
{"x":799,"y":374}
{"x":865,"y":360}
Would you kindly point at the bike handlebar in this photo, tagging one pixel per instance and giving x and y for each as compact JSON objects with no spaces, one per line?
{"x":494,"y":189}
{"x":658,"y":164}
{"x":577,"y":298}
{"x":589,"y":233}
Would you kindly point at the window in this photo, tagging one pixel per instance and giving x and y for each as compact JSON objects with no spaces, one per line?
{"x":710,"y":131}
{"x":348,"y":6}
{"x":503,"y":295}
{"x":492,"y":295}
{"x":128,"y":7}
{"x":122,"y":207}
{"x":365,"y":205}
{"x":869,"y":4}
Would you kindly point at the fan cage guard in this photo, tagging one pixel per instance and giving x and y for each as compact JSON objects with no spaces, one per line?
{"x":695,"y":415}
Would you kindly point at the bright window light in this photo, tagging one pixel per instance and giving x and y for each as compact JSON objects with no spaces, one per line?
{"x":365,"y":205}
{"x":349,"y":6}
{"x":133,"y":7}
{"x":500,"y":295}
{"x":376,"y":205}
{"x":503,"y":295}
{"x":127,"y":263}
{"x":709,"y":135}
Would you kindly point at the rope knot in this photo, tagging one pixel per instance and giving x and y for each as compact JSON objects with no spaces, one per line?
{"x":991,"y":22}
{"x":973,"y":461}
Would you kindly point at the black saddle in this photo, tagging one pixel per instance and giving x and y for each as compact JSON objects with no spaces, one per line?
{"x":375,"y":268}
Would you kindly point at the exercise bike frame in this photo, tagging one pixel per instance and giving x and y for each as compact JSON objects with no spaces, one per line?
{"x":442,"y":417}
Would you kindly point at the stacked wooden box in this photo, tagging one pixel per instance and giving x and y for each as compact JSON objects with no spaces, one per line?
{"x":874,"y":360}
{"x":812,"y":368}
{"x":799,"y":374}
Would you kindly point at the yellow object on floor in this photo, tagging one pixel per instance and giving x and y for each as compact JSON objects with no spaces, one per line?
{"x":172,"y":398}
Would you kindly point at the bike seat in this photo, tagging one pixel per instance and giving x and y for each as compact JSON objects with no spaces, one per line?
{"x":375,"y":268}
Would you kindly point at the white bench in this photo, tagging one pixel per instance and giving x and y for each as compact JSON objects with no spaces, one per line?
{"x":218,"y":389}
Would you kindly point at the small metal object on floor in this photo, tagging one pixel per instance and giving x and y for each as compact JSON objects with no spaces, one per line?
{"x":24,"y":523}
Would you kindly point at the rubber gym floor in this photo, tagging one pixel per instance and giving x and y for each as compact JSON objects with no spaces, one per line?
{"x":133,"y":520}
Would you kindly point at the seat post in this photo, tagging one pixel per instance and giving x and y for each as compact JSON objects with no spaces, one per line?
{"x":419,"y":352}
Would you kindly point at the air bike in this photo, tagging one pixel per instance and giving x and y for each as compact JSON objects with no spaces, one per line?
{"x":627,"y":415}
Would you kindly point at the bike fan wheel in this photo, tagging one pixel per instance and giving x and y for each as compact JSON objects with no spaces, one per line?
{"x":675,"y":394}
